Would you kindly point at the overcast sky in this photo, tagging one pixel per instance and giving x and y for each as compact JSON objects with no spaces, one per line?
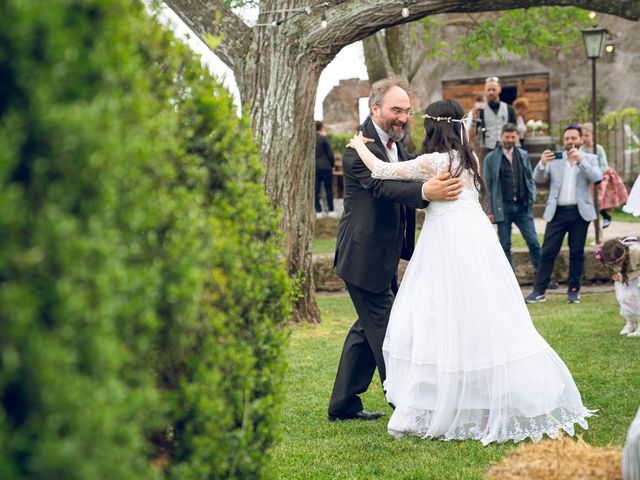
{"x":349,"y":63}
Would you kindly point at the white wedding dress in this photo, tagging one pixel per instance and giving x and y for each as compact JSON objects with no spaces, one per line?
{"x":462,"y":356}
{"x":633,"y":202}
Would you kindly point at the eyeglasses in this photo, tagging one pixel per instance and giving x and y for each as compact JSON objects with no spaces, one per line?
{"x":573,"y":126}
{"x":492,"y":79}
{"x":399,"y":111}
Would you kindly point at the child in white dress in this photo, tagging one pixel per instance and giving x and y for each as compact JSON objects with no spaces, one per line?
{"x":622,"y":257}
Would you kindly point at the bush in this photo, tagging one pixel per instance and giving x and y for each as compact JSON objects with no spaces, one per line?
{"x":141,"y":284}
{"x":338,"y":141}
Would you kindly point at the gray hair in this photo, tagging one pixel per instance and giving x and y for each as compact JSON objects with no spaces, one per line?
{"x":380,"y":88}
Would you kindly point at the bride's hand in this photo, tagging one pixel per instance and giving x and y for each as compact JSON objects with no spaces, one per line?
{"x":358,"y":139}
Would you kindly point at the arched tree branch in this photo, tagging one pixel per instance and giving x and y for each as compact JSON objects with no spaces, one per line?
{"x":212,"y":18}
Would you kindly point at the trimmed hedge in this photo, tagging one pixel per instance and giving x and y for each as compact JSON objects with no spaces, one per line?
{"x":142,"y":286}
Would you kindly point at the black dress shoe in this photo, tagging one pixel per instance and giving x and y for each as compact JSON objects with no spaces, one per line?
{"x":361,"y":415}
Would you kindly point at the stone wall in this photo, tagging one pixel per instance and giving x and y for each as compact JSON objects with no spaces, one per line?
{"x":340,"y":106}
{"x":569,"y":77}
{"x":327,"y":281}
{"x":569,"y":74}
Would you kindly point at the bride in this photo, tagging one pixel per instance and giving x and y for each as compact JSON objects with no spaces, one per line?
{"x":463,"y":358}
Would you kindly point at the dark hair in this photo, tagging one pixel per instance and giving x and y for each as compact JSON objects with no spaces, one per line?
{"x":319,"y":125}
{"x":573,"y":126}
{"x":613,"y":253}
{"x":443,"y":136}
{"x":509,"y":127}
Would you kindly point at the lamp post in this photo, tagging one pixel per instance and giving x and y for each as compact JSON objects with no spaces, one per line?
{"x":594,"y":45}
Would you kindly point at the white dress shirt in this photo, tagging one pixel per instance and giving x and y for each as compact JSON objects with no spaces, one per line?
{"x":392,"y":152}
{"x":567,"y":194}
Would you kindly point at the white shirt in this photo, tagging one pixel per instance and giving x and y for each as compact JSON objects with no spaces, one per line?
{"x":392,"y":152}
{"x":567,"y":194}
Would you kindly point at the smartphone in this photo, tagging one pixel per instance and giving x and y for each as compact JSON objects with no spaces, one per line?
{"x":557,"y":155}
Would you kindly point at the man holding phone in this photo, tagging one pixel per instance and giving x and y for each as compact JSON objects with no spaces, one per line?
{"x":569,"y":210}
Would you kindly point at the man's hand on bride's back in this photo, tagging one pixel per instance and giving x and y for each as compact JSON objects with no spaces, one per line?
{"x":441,"y":187}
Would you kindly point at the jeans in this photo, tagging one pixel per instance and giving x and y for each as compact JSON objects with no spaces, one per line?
{"x":523,"y":218}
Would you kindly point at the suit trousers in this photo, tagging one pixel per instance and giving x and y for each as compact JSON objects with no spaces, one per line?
{"x":362,"y":350}
{"x":324,"y":178}
{"x":566,"y":220}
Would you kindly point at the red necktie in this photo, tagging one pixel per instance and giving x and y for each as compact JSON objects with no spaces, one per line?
{"x":389,"y":143}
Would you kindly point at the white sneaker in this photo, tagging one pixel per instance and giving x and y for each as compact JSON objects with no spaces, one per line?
{"x":334,"y":215}
{"x":627,"y":329}
{"x":319,"y":214}
{"x":634,"y":334}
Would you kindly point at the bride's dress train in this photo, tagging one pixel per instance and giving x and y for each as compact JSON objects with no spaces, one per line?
{"x":462,"y":356}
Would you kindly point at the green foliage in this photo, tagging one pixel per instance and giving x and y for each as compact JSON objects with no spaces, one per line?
{"x":142,"y":286}
{"x":541,"y":30}
{"x":338,"y":141}
{"x":580,"y":110}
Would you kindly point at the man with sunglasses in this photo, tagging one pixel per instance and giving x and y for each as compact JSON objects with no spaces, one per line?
{"x":569,"y":210}
{"x":492,"y":117}
{"x":376,"y":229}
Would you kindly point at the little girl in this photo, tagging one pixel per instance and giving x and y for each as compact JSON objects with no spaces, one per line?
{"x":622,"y":257}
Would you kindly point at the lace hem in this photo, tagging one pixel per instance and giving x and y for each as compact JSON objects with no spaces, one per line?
{"x":488,"y":426}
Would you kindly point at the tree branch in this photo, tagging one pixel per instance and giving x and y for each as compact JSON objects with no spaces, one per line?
{"x":213,"y":18}
{"x":352,"y":20}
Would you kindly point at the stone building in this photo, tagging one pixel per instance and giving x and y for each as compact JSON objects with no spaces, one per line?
{"x":551,"y":84}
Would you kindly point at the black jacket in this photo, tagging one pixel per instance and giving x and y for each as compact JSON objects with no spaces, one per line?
{"x":324,"y":155}
{"x":376,"y":227}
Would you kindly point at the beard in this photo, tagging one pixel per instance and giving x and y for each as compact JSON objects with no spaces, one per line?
{"x":508,"y":145}
{"x":388,"y":126}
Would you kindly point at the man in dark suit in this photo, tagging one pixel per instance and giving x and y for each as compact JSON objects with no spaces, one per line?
{"x":377,"y":227}
{"x":324,"y":169}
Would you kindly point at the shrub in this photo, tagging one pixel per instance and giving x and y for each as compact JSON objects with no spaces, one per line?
{"x":141,"y":282}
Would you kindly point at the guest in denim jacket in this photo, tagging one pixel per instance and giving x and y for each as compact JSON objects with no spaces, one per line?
{"x":511,"y":192}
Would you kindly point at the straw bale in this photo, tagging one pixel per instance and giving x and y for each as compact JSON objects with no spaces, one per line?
{"x":562,"y":459}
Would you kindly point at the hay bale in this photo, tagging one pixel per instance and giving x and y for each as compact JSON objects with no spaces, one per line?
{"x":562,"y":459}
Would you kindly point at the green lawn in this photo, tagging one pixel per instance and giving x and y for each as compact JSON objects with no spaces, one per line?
{"x":619,"y":216}
{"x":603,"y":363}
{"x":328,"y":245}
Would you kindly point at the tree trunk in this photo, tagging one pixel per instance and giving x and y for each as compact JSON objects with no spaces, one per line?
{"x":280,"y":96}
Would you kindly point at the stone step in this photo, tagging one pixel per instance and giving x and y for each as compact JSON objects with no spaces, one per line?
{"x":327,"y":281}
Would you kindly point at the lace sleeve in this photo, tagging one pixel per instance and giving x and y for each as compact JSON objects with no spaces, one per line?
{"x":421,"y":169}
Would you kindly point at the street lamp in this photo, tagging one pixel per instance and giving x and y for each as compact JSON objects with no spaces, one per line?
{"x":594,"y":45}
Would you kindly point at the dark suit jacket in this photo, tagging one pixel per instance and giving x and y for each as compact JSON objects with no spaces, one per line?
{"x":375,"y":228}
{"x":324,"y":155}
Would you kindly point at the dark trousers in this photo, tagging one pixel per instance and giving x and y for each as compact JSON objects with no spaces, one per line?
{"x":566,"y":220}
{"x":324,"y":177}
{"x":362,"y":350}
{"x":523,"y":217}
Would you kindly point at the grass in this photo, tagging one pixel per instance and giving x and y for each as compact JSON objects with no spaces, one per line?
{"x":619,"y":216}
{"x":328,"y":245}
{"x":324,"y":245}
{"x":603,"y":364}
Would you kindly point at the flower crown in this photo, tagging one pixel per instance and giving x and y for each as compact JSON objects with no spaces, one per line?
{"x":442,"y":119}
